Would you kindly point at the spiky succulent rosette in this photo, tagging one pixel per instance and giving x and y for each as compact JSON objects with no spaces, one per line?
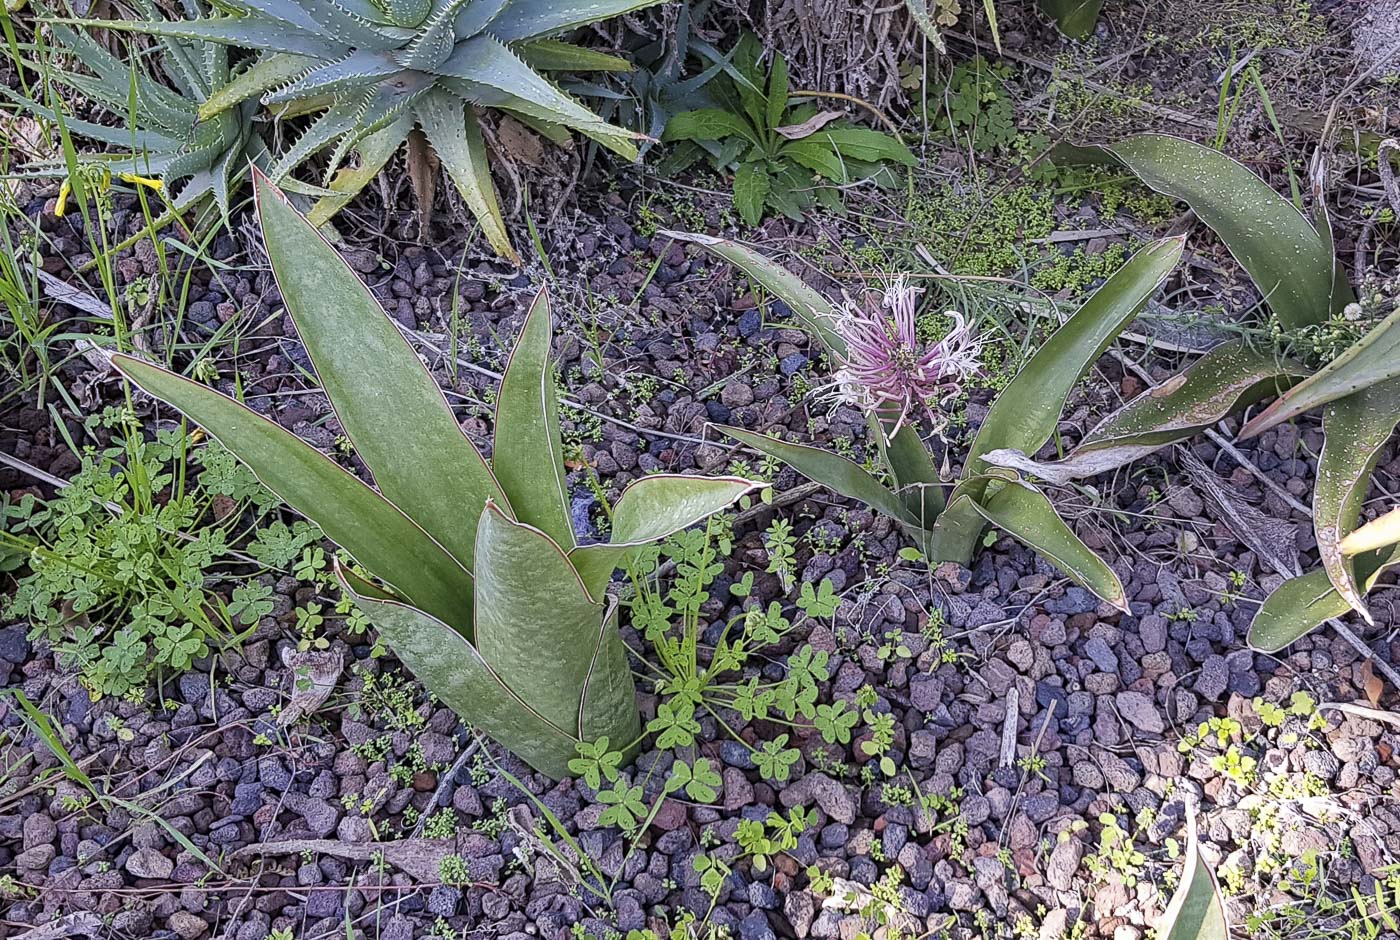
{"x":886,"y":370}
{"x":371,"y":71}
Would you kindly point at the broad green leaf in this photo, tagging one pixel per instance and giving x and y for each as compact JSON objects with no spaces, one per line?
{"x":818,"y":156}
{"x":351,"y":514}
{"x":831,"y":470}
{"x":1378,"y":533}
{"x":1074,"y":18}
{"x":1354,"y":431}
{"x":528,"y":458}
{"x":1290,"y":262}
{"x":374,"y":152}
{"x":456,"y":137}
{"x":914,"y":472}
{"x":1197,"y":908}
{"x":268,"y":71}
{"x":814,"y":310}
{"x":1301,"y":605}
{"x":751,"y":185}
{"x":777,"y":90}
{"x":863,"y":143}
{"x":1026,"y":513}
{"x":609,"y":706}
{"x":551,"y":55}
{"x":652,"y":508}
{"x":955,"y":532}
{"x":1372,"y":359}
{"x":1024,"y":415}
{"x":707,"y":124}
{"x":453,"y":670}
{"x":1226,"y":379}
{"x":387,"y":402}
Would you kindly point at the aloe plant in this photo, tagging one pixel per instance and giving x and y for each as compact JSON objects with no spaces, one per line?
{"x":158,"y":130}
{"x":1291,"y":260}
{"x":487,"y":595}
{"x":947,"y":526}
{"x":374,"y":70}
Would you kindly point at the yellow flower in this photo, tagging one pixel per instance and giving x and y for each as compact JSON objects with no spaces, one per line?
{"x":103,"y":184}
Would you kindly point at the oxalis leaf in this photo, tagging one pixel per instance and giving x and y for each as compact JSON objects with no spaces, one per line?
{"x":1290,"y":261}
{"x":1372,"y":359}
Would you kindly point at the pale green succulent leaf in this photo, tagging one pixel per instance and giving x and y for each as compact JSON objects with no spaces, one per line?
{"x":652,"y":508}
{"x":452,"y":128}
{"x":532,"y":19}
{"x":1197,"y":908}
{"x":536,"y":626}
{"x":1300,"y":605}
{"x":1025,"y":414}
{"x":551,"y":55}
{"x":1354,"y":430}
{"x":268,"y":71}
{"x":609,"y":707}
{"x":528,"y":458}
{"x":377,"y":533}
{"x":1378,"y":533}
{"x":1372,"y":359}
{"x":1026,"y":513}
{"x":265,"y":36}
{"x":446,"y":663}
{"x":389,"y":405}
{"x":1290,"y":262}
{"x":374,"y":152}
{"x":360,"y":68}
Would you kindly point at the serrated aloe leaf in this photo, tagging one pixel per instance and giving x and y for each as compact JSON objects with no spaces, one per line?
{"x":1074,"y":18}
{"x":1290,"y":262}
{"x":831,"y":470}
{"x":268,"y":71}
{"x":1373,"y":358}
{"x":343,"y":75}
{"x":652,"y":508}
{"x":814,"y":310}
{"x":1197,"y":908}
{"x":551,"y":55}
{"x":528,"y":458}
{"x":1025,"y":414}
{"x":1027,"y":514}
{"x":1378,"y":533}
{"x":374,"y":152}
{"x":389,"y":405}
{"x":354,"y":516}
{"x":609,"y":707}
{"x":531,"y":19}
{"x":1354,"y":431}
{"x":451,"y":127}
{"x":267,"y":36}
{"x":449,"y":666}
{"x":1300,"y":605}
{"x":536,"y":626}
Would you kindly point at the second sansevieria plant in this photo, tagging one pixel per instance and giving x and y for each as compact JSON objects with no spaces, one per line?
{"x":486,"y":593}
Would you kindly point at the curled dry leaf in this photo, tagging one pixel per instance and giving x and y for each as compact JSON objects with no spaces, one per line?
{"x":810,"y":126}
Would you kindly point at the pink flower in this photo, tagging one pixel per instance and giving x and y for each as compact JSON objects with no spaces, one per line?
{"x":886,"y":371}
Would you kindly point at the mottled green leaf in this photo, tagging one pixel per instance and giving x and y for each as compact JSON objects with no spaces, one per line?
{"x":1025,"y":414}
{"x":387,"y":402}
{"x":529,"y":454}
{"x":1373,"y":358}
{"x":351,"y":514}
{"x":1027,"y":514}
{"x":1197,"y":908}
{"x":652,"y":508}
{"x":1290,"y":261}
{"x":1302,"y":604}
{"x":1354,"y":431}
{"x":707,"y":124}
{"x":751,"y":185}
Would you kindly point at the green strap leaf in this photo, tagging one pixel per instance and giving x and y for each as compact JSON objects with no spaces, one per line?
{"x":369,"y":527}
{"x":528,"y":19}
{"x":455,"y":134}
{"x":1300,"y":605}
{"x":1372,"y":359}
{"x":652,"y":508}
{"x":536,"y":626}
{"x":1074,"y":18}
{"x":609,"y":707}
{"x":1378,"y":533}
{"x":1026,"y":513}
{"x":831,"y":470}
{"x":529,"y":454}
{"x":387,"y":402}
{"x":777,"y":90}
{"x":1197,"y":908}
{"x":455,"y":672}
{"x":1290,"y":262}
{"x":551,"y":55}
{"x":1024,"y":415}
{"x":1354,"y":431}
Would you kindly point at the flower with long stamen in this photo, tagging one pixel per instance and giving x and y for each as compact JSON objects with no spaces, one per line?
{"x":885,"y":369}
